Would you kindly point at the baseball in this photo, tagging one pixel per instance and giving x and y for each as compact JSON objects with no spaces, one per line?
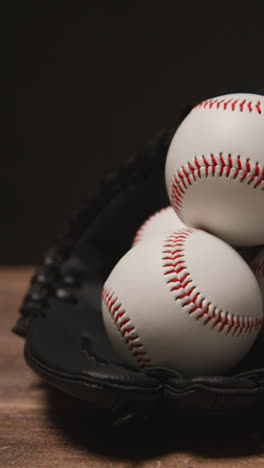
{"x":184,"y":301}
{"x":162,"y":221}
{"x":215,"y":168}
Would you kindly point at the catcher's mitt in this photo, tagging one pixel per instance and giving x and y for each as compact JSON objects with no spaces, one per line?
{"x":61,"y":314}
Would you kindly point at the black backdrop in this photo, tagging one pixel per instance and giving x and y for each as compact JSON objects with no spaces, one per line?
{"x":84,"y":84}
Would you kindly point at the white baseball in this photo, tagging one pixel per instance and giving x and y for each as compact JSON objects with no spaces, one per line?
{"x":162,"y":221}
{"x":185,"y":301}
{"x":215,"y":168}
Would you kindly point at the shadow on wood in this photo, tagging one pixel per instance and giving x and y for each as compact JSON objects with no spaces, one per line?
{"x":213,"y":437}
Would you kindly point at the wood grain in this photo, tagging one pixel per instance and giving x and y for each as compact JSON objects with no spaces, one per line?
{"x":41,"y":427}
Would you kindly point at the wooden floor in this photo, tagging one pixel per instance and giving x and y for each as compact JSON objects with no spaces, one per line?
{"x":41,"y":427}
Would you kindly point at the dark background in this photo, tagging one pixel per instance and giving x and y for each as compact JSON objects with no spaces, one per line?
{"x":85,"y":84}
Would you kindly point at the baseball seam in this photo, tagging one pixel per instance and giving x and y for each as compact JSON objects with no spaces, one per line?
{"x":233,"y":104}
{"x":219,"y":165}
{"x":125,"y":327}
{"x":187,"y":292}
{"x":142,"y":228}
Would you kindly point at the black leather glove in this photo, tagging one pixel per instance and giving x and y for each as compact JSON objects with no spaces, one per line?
{"x":66,"y":342}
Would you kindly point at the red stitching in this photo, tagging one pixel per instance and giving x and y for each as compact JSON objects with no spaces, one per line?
{"x":195,"y":300}
{"x":209,"y":164}
{"x":227,"y":102}
{"x":212,"y":103}
{"x":141,"y":356}
{"x":258,"y":107}
{"x":233,"y":103}
{"x":198,"y":166}
{"x":219,"y":103}
{"x":241,"y":105}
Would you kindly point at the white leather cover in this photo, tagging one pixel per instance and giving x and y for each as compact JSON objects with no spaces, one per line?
{"x":161,"y":222}
{"x":185,"y":301}
{"x":214,"y":168}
